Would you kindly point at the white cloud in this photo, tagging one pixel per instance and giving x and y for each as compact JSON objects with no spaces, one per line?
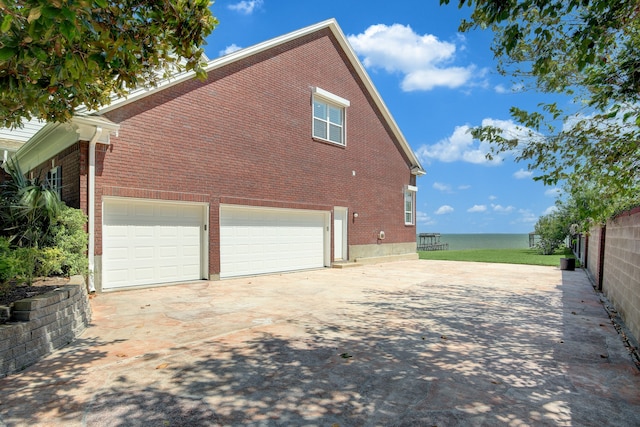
{"x":464,"y":187}
{"x":477,"y":208}
{"x":527,"y":217}
{"x":550,"y":210}
{"x":461,"y":146}
{"x":424,"y":219}
{"x":444,"y":209}
{"x":423,"y":60}
{"x":502,"y":209}
{"x":492,"y":197}
{"x":522,"y":174}
{"x":501,"y":89}
{"x":552,"y":192}
{"x":442,"y":187}
{"x":246,"y":7}
{"x":229,"y":49}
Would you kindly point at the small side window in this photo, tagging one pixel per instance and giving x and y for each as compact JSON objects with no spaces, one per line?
{"x":409,"y":205}
{"x":54,"y":180}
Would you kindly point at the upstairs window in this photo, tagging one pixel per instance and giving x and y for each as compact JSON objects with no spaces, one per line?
{"x":329,"y":116}
{"x":54,"y":180}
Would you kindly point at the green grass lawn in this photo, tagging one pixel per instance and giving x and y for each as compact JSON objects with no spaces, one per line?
{"x":507,"y":256}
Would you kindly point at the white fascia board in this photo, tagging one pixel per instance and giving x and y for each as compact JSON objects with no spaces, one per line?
{"x":55,"y":137}
{"x":212,"y":65}
{"x":411,"y":188}
{"x":49,"y":141}
{"x":332,"y":25}
{"x":355,"y":61}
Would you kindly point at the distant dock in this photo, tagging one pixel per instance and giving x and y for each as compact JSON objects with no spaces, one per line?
{"x":431,"y":242}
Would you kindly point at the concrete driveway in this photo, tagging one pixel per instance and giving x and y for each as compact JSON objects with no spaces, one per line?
{"x":430,"y":343}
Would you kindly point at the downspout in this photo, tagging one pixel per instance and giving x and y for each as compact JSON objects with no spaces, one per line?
{"x":91,"y":208}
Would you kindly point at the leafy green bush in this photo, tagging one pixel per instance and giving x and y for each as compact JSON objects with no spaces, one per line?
{"x":43,"y":236}
{"x":553,"y":230}
{"x":8,"y":262}
{"x":50,"y":262}
{"x":66,"y":253}
{"x":28,"y":259}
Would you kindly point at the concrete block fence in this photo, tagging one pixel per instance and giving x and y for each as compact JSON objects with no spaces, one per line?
{"x":42,"y":324}
{"x":611,"y":256}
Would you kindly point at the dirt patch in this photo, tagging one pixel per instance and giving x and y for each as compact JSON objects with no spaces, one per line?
{"x":10,"y":293}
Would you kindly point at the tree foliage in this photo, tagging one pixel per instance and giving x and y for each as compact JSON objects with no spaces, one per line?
{"x":590,"y":50}
{"x":552,"y":230}
{"x":56,"y":55}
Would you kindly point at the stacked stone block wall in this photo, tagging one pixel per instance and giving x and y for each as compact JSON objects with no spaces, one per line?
{"x":42,"y":324}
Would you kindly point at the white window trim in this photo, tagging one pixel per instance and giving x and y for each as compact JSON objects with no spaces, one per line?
{"x":412,"y":190}
{"x":54,"y":180}
{"x":330,"y":97}
{"x":335,"y":101}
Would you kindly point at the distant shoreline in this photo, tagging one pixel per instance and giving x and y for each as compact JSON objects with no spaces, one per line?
{"x":461,"y":241}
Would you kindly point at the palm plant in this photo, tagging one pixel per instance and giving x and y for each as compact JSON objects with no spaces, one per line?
{"x":27,"y":207}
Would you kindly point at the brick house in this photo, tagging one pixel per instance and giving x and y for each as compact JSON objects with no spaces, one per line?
{"x":285,"y":158}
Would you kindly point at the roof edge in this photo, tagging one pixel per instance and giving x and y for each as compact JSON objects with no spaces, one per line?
{"x":331,"y":24}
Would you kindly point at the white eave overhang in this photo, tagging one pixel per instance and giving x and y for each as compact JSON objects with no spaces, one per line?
{"x":55,"y":137}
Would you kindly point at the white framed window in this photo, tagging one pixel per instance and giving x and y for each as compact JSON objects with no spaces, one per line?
{"x":54,"y":179}
{"x":409,"y":205}
{"x":329,"y":116}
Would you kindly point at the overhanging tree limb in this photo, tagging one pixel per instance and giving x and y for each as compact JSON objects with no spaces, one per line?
{"x":56,"y":55}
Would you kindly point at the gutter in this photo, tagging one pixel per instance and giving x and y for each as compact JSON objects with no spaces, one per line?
{"x":91,"y":206}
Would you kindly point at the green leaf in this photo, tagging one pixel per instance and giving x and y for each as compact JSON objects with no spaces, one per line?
{"x":6,"y":23}
{"x":68,"y":30}
{"x":7,"y":53}
{"x":34,"y":14}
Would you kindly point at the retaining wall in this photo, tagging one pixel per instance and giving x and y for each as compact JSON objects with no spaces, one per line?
{"x":42,"y":324}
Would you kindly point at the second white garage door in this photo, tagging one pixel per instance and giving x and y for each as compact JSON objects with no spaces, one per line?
{"x":151,"y":242}
{"x":264,"y":240}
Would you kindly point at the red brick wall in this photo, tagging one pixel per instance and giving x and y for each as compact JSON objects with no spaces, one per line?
{"x":4,"y":176}
{"x":69,"y":162}
{"x":245,"y":135}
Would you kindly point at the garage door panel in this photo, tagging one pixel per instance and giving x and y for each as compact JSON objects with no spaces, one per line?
{"x":146,"y":242}
{"x":255,"y":241}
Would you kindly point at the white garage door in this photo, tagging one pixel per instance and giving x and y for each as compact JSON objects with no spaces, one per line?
{"x":263,"y":240}
{"x":150,"y":242}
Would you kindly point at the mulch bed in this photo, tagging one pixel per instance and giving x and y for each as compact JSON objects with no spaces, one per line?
{"x":15,"y":292}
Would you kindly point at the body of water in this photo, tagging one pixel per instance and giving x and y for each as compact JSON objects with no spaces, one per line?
{"x":485,"y":241}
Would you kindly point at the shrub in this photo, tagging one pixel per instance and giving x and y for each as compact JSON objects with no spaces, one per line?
{"x":553,"y":230}
{"x":8,"y":262}
{"x":68,"y":244}
{"x":43,"y":235}
{"x":50,"y":261}
{"x":27,"y":261}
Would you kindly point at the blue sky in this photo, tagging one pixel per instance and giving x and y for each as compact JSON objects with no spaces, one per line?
{"x":437,"y":83}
